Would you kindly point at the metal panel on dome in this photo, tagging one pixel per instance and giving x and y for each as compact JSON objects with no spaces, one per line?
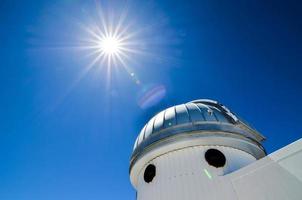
{"x":195,"y":118}
{"x":141,"y":135}
{"x":195,"y":112}
{"x":135,"y":144}
{"x":159,"y":121}
{"x":149,"y":128}
{"x":207,"y":112}
{"x":182,"y":115}
{"x":219,"y":115}
{"x":170,"y":119}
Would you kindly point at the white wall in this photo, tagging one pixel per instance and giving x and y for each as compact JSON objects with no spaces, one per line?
{"x":275,"y":177}
{"x":185,"y":175}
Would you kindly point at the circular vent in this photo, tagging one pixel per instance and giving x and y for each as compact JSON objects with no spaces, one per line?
{"x":215,"y":158}
{"x":149,"y":173}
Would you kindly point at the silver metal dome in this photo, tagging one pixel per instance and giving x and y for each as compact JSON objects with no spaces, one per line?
{"x":196,"y":116}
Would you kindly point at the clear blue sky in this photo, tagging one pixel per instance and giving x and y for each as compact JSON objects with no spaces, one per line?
{"x":66,"y":136}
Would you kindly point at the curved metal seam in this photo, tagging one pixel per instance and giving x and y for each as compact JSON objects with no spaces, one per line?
{"x":164,"y":121}
{"x":175,"y":115}
{"x":228,"y":128}
{"x":204,"y":118}
{"x":154,"y":118}
{"x":147,"y":148}
{"x":219,"y":106}
{"x":215,"y":116}
{"x":187,"y":111}
{"x":150,"y":143}
{"x":145,"y":131}
{"x":136,"y":143}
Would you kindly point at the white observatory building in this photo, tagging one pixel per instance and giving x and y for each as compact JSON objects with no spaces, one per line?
{"x":201,"y":150}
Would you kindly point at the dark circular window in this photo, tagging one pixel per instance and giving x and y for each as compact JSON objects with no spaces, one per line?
{"x":150,"y":173}
{"x":215,"y":158}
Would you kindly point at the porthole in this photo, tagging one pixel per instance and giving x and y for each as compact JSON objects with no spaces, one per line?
{"x":149,"y":173}
{"x":215,"y":158}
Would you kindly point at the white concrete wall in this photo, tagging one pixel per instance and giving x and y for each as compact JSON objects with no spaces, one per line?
{"x":275,"y":177}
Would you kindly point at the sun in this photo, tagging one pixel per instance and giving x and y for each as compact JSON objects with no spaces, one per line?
{"x":113,"y":43}
{"x":110,"y":45}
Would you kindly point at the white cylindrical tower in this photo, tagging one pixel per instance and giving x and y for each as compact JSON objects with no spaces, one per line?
{"x":187,"y":151}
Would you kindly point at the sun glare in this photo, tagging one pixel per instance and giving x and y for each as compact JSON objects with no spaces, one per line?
{"x":110,"y":45}
{"x":112,"y":41}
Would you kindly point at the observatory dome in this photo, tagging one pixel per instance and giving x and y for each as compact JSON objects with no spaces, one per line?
{"x":196,"y":119}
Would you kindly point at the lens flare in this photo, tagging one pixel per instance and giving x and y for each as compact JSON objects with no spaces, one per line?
{"x":151,"y":96}
{"x":207,"y":173}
